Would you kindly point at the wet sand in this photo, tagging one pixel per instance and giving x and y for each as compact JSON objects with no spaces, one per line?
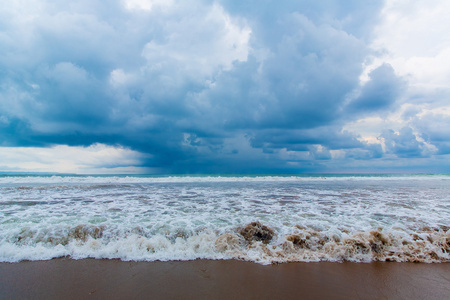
{"x":231,"y":279}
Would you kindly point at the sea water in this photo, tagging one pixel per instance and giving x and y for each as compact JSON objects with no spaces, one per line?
{"x":264,"y":219}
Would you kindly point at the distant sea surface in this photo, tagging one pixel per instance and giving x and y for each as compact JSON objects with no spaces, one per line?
{"x":264,"y":219}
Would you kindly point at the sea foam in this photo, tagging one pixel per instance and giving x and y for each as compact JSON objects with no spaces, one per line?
{"x":261,"y":219}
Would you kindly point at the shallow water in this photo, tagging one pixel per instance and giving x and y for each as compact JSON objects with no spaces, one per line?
{"x":333,"y":218}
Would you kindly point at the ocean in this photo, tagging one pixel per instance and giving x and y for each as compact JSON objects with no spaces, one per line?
{"x":263,"y":219}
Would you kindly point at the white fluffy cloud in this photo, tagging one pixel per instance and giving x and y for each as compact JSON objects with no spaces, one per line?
{"x":200,"y":44}
{"x":414,"y":37}
{"x":146,"y":5}
{"x":95,"y":159}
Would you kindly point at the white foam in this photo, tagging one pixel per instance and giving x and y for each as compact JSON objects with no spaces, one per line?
{"x":302,"y":245}
{"x":313,"y":219}
{"x":56,"y":179}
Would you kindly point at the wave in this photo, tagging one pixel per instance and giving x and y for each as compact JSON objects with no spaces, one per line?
{"x":57,"y":179}
{"x":252,"y":242}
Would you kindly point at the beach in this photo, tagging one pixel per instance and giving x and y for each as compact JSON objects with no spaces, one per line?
{"x":214,"y":237}
{"x":65,"y":278}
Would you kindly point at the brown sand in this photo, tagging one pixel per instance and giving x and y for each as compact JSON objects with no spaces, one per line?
{"x":231,"y":279}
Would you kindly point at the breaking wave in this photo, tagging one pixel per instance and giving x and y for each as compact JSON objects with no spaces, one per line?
{"x":254,"y":242}
{"x":264,"y":219}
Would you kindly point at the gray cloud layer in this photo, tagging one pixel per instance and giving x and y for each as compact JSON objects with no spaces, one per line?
{"x":201,"y":86}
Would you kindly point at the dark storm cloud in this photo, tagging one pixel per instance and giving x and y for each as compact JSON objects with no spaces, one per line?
{"x":201,"y":86}
{"x":380,"y":92}
{"x":300,"y":139}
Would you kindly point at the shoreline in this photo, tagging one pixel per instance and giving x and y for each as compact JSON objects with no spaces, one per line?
{"x":66,"y":278}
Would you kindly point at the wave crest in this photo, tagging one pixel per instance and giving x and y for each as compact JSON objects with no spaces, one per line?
{"x":253,"y":242}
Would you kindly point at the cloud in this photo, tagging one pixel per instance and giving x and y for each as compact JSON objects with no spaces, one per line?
{"x":411,"y":36}
{"x":403,"y":144}
{"x":212,"y":86}
{"x":95,"y":159}
{"x":146,"y":5}
{"x":408,"y":38}
{"x":380,"y":92}
{"x":435,"y":126}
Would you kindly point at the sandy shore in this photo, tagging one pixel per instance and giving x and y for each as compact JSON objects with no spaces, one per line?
{"x":209,"y":279}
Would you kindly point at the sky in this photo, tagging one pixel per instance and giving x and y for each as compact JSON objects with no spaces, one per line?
{"x":224,"y":87}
